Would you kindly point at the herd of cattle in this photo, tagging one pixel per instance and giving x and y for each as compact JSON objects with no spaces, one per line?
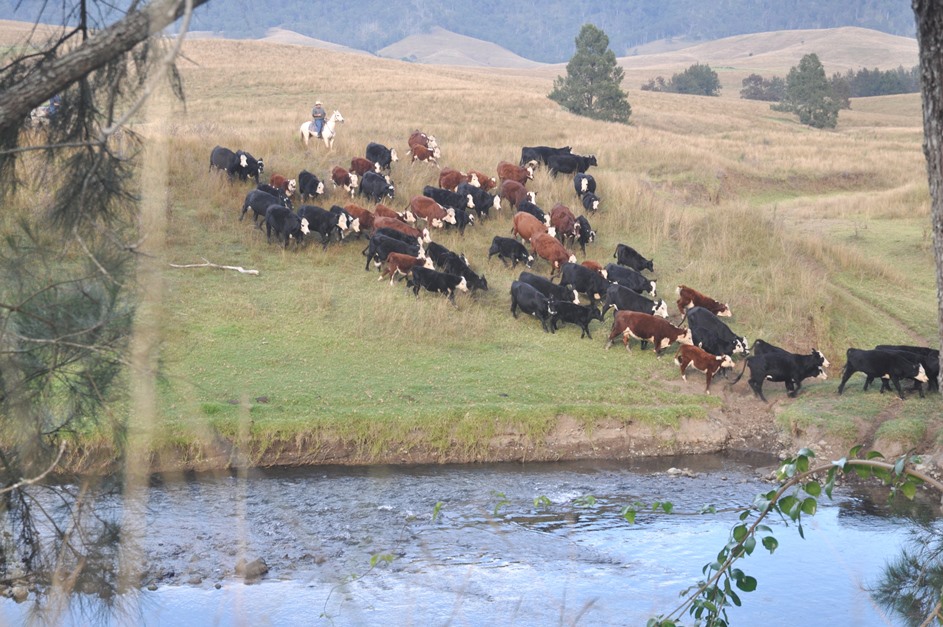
{"x":400,"y":243}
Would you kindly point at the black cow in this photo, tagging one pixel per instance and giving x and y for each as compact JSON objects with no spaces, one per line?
{"x":380,"y":246}
{"x":248,"y":166}
{"x":632,"y":279}
{"x":448,"y":198}
{"x":381,"y":155}
{"x":550,"y":289}
{"x":584,"y":233}
{"x":541,"y":154}
{"x":463,"y":218}
{"x":259,"y":201}
{"x":403,"y":237}
{"x":509,"y":248}
{"x":630,"y":258}
{"x":285,"y":223}
{"x":771,"y":363}
{"x":323,"y":222}
{"x":710,"y":333}
{"x":584,"y":184}
{"x":309,"y":185}
{"x":375,"y":186}
{"x":435,"y":281}
{"x":575,"y":314}
{"x":624,"y":299}
{"x":277,"y":192}
{"x":584,"y":281}
{"x":456,"y":264}
{"x":483,"y":201}
{"x":590,"y":202}
{"x":875,"y":364}
{"x":438,"y":254}
{"x":531,"y":301}
{"x":570,"y":164}
{"x":929,"y":359}
{"x":225,"y":159}
{"x":528,"y":207}
{"x":350,"y":223}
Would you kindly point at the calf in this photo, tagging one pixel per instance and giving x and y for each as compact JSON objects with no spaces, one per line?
{"x":309,"y":185}
{"x":894,"y":365}
{"x":646,"y":328}
{"x":421,"y":153}
{"x":374,"y":186}
{"x":570,"y":164}
{"x":342,"y":178}
{"x":382,"y":211}
{"x":361,"y":166}
{"x":398,"y":263}
{"x":509,"y":248}
{"x":436,"y":282}
{"x":448,"y":198}
{"x":590,"y":201}
{"x":624,"y":299}
{"x":456,"y":264}
{"x":584,"y":281}
{"x":689,"y":297}
{"x":515,"y":193}
{"x":323,"y":222}
{"x":483,"y":201}
{"x":485,"y":182}
{"x":547,"y":247}
{"x":248,"y":166}
{"x":526,"y":226}
{"x":287,"y":185}
{"x":418,"y":138}
{"x":563,"y":220}
{"x":929,"y":359}
{"x":771,"y":363}
{"x":274,"y":191}
{"x":366,"y":218}
{"x":529,"y":299}
{"x":383,"y":222}
{"x":584,"y":184}
{"x":285,"y":223}
{"x":380,"y":247}
{"x":630,"y":258}
{"x":541,"y":154}
{"x":584,"y":233}
{"x":711,"y":334}
{"x":431,"y":211}
{"x":381,"y":155}
{"x":259,"y":201}
{"x":510,"y":172}
{"x":225,"y":159}
{"x":689,"y":355}
{"x":632,"y":279}
{"x":550,"y":289}
{"x":580,"y":315}
{"x":526,"y":206}
{"x":450,"y":178}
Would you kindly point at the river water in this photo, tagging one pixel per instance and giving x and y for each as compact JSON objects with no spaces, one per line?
{"x":491,"y":556}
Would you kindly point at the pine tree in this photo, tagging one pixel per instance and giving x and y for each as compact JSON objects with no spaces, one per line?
{"x":592,"y":85}
{"x":809,"y":95}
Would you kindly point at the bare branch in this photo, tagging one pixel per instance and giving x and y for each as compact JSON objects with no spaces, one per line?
{"x":207,"y":264}
{"x":23,"y":482}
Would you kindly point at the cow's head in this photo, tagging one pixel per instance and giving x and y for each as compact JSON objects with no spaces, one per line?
{"x":293,"y":185}
{"x":530,"y":171}
{"x":725,"y":312}
{"x":740,"y":345}
{"x":393,"y":156}
{"x":354,"y":182}
{"x":661,"y":309}
{"x":427,"y":263}
{"x":376,"y":168}
{"x":822,"y":374}
{"x":320,"y":188}
{"x":652,"y":283}
{"x":304,"y":226}
{"x":552,"y":232}
{"x":821,"y":357}
{"x":496,"y":203}
{"x":572,"y":258}
{"x":473,"y":180}
{"x":532,"y":197}
{"x":725,"y":361}
{"x":425,"y":236}
{"x":591,"y":202}
{"x":470,"y":204}
{"x":462,"y":285}
{"x":449,"y":217}
{"x":685,"y":338}
{"x":243,"y":161}
{"x":355,"y":225}
{"x":408,"y":216}
{"x":261,"y":165}
{"x":529,"y":261}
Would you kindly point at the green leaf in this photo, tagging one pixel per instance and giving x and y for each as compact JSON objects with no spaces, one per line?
{"x":806,"y":452}
{"x":813,"y":488}
{"x":667,"y":507}
{"x":436,"y":509}
{"x":733,"y":597}
{"x":542,"y":501}
{"x":809,"y":506}
{"x":909,"y":490}
{"x":770,"y":544}
{"x":874,"y":455}
{"x":739,"y":533}
{"x":629,"y":514}
{"x":802,"y":463}
{"x":763,"y":529}
{"x":747,"y":583}
{"x":749,"y":544}
{"x":788,"y":470}
{"x":863,"y":471}
{"x":708,"y":509}
{"x":882,"y":473}
{"x":787,"y":504}
{"x":899,"y":465}
{"x":854,"y":451}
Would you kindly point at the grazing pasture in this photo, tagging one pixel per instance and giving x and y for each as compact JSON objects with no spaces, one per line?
{"x":814,"y":238}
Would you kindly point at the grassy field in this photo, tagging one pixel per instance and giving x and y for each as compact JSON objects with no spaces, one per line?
{"x":814,"y":238}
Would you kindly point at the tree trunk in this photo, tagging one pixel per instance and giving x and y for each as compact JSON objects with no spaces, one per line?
{"x":929,"y":17}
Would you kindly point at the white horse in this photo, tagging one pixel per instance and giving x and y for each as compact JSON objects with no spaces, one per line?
{"x":327,"y":131}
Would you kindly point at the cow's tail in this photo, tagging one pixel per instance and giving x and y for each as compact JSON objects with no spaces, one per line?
{"x":745,"y":361}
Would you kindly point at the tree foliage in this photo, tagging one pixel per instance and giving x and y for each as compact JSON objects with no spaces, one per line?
{"x":698,"y":80}
{"x":755,"y":87}
{"x":809,"y":95}
{"x":592,"y":86}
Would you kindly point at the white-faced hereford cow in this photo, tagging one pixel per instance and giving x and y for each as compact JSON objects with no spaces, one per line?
{"x":689,"y":355}
{"x":548,"y":247}
{"x":526,"y":226}
{"x":510,"y":172}
{"x":342,"y":178}
{"x":646,"y":328}
{"x":689,"y":297}
{"x":398,"y":263}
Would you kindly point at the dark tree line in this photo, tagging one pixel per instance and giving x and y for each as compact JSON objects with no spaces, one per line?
{"x":852,"y":84}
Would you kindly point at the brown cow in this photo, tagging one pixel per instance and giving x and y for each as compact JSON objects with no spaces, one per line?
{"x":382,"y":210}
{"x":450,"y":178}
{"x":366,"y":218}
{"x":690,"y":297}
{"x":398,"y":263}
{"x":515,"y":193}
{"x":547,"y":247}
{"x":418,"y":138}
{"x":342,"y":178}
{"x":421,"y":153}
{"x":563,"y":220}
{"x":646,"y":328}
{"x":592,"y":265}
{"x":431,"y":211}
{"x":287,"y":185}
{"x":512,"y":172}
{"x":362,"y":164}
{"x":485,"y":182}
{"x":702,"y":360}
{"x":383,"y":222}
{"x":526,"y":226}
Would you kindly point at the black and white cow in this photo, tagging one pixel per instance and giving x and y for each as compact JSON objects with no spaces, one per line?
{"x":627,"y":256}
{"x":584,"y":233}
{"x":929,"y":359}
{"x":381,"y":155}
{"x":380,"y":246}
{"x":580,"y":315}
{"x":879,"y":364}
{"x":375,"y":186}
{"x":550,"y":289}
{"x":584,"y":184}
{"x":710,"y":333}
{"x":622,"y":298}
{"x":403,"y":237}
{"x":509,"y":248}
{"x":259,"y":201}
{"x":590,"y":202}
{"x":438,"y":254}
{"x":309,"y":185}
{"x":482,"y":200}
{"x":323,"y":222}
{"x":584,"y":281}
{"x":632,"y":279}
{"x":248,"y":166}
{"x":457,"y":264}
{"x":448,"y":198}
{"x":541,"y":154}
{"x":436,"y":282}
{"x":463,"y":218}
{"x":285,"y":223}
{"x":771,"y":363}
{"x":532,"y":301}
{"x":277,"y":192}
{"x":529,"y":207}
{"x":570,"y":164}
{"x":353,"y":224}
{"x":226,"y":160}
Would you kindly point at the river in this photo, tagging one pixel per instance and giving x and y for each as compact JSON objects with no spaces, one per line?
{"x":521,"y":544}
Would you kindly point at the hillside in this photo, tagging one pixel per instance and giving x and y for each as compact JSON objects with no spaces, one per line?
{"x":441,"y":47}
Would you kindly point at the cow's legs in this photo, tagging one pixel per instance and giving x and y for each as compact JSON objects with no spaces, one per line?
{"x":846,"y":374}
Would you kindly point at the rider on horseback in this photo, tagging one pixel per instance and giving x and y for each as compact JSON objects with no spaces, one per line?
{"x":318,"y":114}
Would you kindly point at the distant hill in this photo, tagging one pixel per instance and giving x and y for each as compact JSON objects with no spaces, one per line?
{"x":442,"y":47}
